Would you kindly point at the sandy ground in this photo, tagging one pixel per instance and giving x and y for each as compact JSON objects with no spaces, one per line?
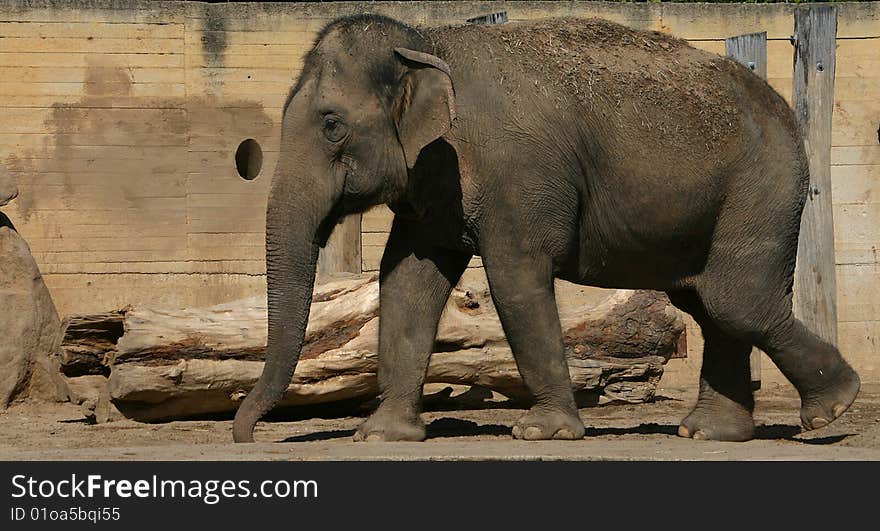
{"x":36,"y":431}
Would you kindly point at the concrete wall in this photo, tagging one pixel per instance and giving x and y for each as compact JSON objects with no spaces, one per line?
{"x":120,"y":120}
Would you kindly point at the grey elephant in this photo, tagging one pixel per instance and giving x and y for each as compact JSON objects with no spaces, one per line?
{"x":572,"y":149}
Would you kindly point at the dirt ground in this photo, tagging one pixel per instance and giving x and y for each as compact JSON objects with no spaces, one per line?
{"x":38,"y":431}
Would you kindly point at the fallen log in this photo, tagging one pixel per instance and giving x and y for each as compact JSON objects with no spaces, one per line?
{"x":172,"y":364}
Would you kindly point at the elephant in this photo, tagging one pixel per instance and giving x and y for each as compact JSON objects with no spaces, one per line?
{"x":576,"y":149}
{"x":8,"y":189}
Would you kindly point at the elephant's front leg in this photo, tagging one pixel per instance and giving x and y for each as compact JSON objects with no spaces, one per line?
{"x":522,"y":289}
{"x":414,"y":285}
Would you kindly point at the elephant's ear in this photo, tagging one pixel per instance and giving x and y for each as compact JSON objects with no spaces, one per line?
{"x":425,"y":105}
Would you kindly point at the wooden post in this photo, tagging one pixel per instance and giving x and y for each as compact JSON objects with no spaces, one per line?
{"x":343,"y":251}
{"x":815,"y":287}
{"x":751,"y":51}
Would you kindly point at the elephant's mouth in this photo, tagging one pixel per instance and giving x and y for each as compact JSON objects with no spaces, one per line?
{"x":325,"y":229}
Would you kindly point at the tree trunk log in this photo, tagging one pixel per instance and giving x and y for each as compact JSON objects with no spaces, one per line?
{"x":172,"y":364}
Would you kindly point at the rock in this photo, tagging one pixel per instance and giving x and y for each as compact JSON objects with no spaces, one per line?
{"x":91,"y":392}
{"x":86,"y":388}
{"x":29,"y":360}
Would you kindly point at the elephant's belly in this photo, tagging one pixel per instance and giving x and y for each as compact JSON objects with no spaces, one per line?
{"x":659,"y":261}
{"x":635,"y":273}
{"x":644,"y":234}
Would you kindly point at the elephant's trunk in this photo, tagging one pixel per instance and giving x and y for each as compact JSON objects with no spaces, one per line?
{"x":293,"y":226}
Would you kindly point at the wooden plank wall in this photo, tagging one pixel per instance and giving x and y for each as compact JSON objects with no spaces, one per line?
{"x":120,"y":120}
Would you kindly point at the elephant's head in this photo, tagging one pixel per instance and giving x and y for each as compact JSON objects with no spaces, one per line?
{"x":8,"y":189}
{"x":369,"y":98}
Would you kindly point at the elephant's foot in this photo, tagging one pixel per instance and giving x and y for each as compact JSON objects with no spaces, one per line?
{"x":718,"y":418}
{"x":388,"y":425}
{"x":820,"y":408}
{"x":542,"y":423}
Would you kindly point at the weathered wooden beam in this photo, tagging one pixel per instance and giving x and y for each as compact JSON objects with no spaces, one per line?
{"x":178,"y":363}
{"x":751,"y":51}
{"x":342,"y":254}
{"x":815,"y":291}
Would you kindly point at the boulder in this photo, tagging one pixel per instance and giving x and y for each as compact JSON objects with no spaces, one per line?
{"x":29,"y":360}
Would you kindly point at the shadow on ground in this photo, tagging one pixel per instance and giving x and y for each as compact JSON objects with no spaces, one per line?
{"x":320,"y":436}
{"x":449,"y":427}
{"x":649,"y":428}
{"x":789,"y":432}
{"x":439,"y":428}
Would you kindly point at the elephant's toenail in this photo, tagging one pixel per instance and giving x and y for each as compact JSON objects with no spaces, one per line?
{"x":683,"y":432}
{"x":700,"y":435}
{"x":564,"y":434}
{"x":838,"y":410}
{"x":517,"y":432}
{"x":818,"y":422}
{"x":373,"y":437}
{"x":532,"y":433}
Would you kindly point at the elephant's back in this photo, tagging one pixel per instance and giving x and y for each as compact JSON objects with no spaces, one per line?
{"x":585,"y":57}
{"x":630,"y":81}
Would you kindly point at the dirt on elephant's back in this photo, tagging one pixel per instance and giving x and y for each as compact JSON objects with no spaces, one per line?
{"x":622,"y":75}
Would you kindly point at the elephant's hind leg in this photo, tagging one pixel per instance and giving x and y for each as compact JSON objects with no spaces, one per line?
{"x":755,"y":307}
{"x":723,"y":411}
{"x":827,"y":384}
{"x":414,"y":285}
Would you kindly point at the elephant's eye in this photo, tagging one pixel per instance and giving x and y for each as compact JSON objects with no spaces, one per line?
{"x":334,"y":129}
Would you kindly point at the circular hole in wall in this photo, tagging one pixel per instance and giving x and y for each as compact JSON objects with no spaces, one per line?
{"x":249,"y":159}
